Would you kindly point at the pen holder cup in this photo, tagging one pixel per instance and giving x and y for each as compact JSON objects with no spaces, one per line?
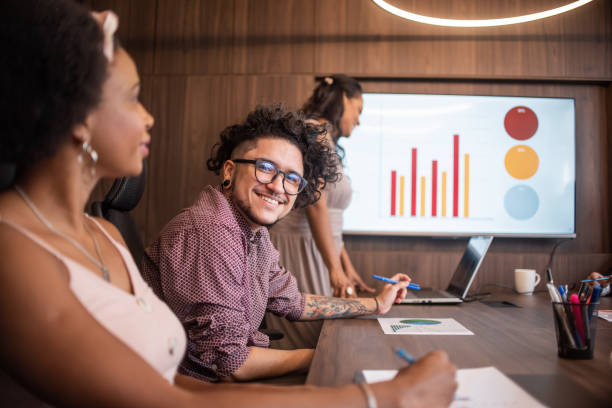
{"x":575,"y":326}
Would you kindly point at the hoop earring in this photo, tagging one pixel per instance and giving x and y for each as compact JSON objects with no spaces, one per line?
{"x":91,"y":154}
{"x":226,"y":184}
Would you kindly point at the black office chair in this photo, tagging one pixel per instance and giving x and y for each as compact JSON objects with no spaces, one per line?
{"x":7,"y":175}
{"x":123,"y":196}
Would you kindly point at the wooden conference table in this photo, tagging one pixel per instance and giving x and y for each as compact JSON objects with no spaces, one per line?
{"x":519,"y":341}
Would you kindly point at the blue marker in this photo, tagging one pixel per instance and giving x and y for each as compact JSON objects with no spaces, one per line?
{"x":413,"y":286}
{"x":404,"y":355}
{"x":594,"y":299}
{"x":563,"y":293}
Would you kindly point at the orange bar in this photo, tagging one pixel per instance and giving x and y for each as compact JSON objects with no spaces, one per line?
{"x":401,"y":197}
{"x":444,"y":194}
{"x":466,"y":189}
{"x":422,"y":196}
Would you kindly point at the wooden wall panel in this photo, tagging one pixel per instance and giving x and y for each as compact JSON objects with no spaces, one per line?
{"x":607,"y":119}
{"x":435,"y":268}
{"x":167,"y":105}
{"x":278,"y":36}
{"x":357,"y":37}
{"x":206,"y":63}
{"x":141,"y":212}
{"x":190,"y":114}
{"x":195,"y":36}
{"x":136,"y":27}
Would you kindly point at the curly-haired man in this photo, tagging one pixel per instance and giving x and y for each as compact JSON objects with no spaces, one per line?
{"x":214,"y":263}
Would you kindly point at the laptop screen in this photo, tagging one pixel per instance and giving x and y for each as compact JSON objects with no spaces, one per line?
{"x":468,"y":266}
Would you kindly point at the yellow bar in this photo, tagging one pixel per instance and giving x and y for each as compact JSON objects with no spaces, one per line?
{"x":401,"y":197}
{"x":422,"y":196}
{"x":466,"y":191}
{"x":444,"y":194}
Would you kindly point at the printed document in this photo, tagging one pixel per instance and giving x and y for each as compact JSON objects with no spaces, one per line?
{"x":478,"y":388}
{"x":409,"y":325}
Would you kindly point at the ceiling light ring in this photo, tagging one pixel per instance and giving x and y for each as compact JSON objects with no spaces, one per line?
{"x":448,"y":22}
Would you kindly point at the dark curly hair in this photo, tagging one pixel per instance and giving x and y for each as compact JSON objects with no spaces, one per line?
{"x":320,"y":161}
{"x":327,"y":102}
{"x":52,"y":69}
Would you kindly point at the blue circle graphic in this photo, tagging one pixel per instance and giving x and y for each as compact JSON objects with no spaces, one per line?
{"x":521,"y":202}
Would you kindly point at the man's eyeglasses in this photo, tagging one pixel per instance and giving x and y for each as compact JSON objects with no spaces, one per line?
{"x":266,"y":172}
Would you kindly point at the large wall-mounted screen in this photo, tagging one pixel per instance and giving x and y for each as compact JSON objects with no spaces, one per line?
{"x":462,"y":165}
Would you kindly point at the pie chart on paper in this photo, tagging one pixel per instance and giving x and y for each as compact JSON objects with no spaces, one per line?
{"x":421,"y":322}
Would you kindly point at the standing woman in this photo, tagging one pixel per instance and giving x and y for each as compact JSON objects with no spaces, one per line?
{"x":310,"y":240}
{"x":79,"y":325}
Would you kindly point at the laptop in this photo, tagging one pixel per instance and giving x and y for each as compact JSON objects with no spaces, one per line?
{"x":460,"y":283}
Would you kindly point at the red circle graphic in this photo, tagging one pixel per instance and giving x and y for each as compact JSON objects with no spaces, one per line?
{"x":521,"y":122}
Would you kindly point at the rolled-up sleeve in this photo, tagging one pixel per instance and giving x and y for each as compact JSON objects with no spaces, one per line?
{"x":285,"y":299}
{"x":203,"y":280}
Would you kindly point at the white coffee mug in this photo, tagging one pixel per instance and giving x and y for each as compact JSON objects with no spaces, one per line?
{"x":525,"y":281}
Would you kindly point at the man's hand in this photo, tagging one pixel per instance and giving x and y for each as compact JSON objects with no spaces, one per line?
{"x":393,"y":293}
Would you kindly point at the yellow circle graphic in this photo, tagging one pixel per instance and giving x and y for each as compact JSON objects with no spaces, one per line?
{"x":521,"y":162}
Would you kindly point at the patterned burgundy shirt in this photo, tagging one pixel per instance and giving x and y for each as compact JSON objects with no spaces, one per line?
{"x":219,"y":277}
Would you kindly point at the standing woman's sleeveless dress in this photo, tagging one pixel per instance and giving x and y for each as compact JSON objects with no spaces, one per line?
{"x":293,"y":238}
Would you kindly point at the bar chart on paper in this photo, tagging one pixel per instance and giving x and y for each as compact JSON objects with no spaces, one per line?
{"x":462,"y":165}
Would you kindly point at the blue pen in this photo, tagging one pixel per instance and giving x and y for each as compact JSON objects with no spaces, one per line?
{"x":596,"y":280}
{"x":413,"y":286}
{"x":404,"y":355}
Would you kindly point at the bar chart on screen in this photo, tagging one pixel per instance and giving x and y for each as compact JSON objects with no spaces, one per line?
{"x":428,"y":203}
{"x":462,"y":165}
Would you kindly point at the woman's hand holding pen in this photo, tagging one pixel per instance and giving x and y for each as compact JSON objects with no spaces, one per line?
{"x":597,"y":275}
{"x":430,"y":382}
{"x":392,"y":293}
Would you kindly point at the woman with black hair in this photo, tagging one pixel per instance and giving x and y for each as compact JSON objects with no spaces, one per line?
{"x":310,"y":240}
{"x":79,"y":326}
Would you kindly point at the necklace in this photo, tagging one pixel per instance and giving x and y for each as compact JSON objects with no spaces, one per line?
{"x":100,"y":264}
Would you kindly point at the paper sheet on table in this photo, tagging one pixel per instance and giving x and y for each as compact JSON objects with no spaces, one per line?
{"x":606,"y":315}
{"x":413,"y":325}
{"x":478,"y":388}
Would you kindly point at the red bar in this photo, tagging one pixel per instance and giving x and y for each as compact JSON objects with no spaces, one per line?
{"x":434,"y":187}
{"x":393,"y":188}
{"x":413,"y":183}
{"x":456,"y":176}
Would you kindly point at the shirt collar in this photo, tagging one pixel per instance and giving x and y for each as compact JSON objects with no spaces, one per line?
{"x":241,"y":220}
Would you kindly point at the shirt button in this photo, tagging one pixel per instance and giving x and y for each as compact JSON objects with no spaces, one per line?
{"x":171,"y":345}
{"x":143,"y":304}
{"x":213,"y":367}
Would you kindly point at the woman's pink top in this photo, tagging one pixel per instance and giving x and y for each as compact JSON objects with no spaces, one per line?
{"x":141,"y":320}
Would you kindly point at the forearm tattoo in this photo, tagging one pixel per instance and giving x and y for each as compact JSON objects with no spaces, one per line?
{"x":324,"y":307}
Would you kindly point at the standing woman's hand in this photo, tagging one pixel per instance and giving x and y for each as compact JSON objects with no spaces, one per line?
{"x":352,"y":274}
{"x":342,"y":286}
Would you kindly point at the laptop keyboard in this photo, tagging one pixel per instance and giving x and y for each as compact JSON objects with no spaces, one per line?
{"x":427,"y":294}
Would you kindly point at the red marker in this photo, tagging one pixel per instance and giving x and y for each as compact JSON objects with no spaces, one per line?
{"x":577,"y":316}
